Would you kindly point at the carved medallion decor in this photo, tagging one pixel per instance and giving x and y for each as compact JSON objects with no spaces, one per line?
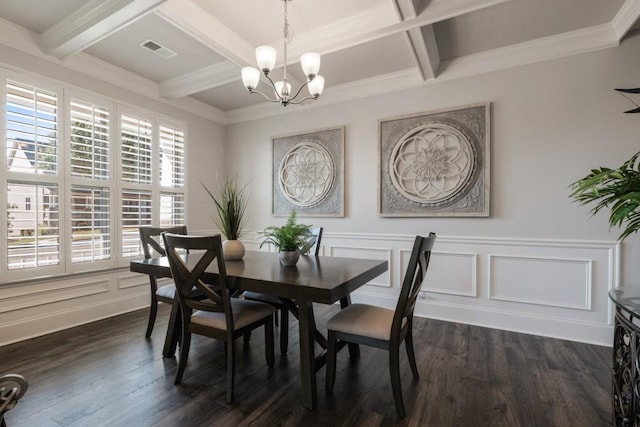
{"x":435,"y":164}
{"x":308,"y":173}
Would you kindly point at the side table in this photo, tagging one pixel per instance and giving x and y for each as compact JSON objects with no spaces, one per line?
{"x":626,"y":350}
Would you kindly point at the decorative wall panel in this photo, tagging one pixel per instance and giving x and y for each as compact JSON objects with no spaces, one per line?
{"x":435,"y":164}
{"x":308,"y":173}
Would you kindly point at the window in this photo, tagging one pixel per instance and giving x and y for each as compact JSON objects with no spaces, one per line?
{"x":66,"y":181}
{"x":90,"y":224}
{"x":136,"y":149}
{"x":136,"y":212}
{"x":89,"y":148}
{"x":89,"y":136}
{"x":32,"y":185}
{"x":33,"y":236}
{"x":171,"y":177}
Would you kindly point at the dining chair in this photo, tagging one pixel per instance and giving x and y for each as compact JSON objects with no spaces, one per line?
{"x":12,"y":388}
{"x":384,"y":328}
{"x":284,"y":305}
{"x":217,"y":316}
{"x":153,"y":246}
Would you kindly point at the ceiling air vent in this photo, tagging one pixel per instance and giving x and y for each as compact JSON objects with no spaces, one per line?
{"x":158,"y":49}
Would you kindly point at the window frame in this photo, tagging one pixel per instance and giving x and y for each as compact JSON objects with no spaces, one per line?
{"x":65,"y":181}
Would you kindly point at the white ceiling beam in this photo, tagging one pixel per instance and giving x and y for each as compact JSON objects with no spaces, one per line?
{"x":421,"y":41}
{"x":626,"y":17}
{"x":199,"y":80}
{"x":371,"y":26}
{"x":91,"y":23}
{"x":530,"y":52}
{"x":199,"y":24}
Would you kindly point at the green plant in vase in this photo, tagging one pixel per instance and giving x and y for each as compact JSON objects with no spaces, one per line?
{"x":616,"y":189}
{"x":230,"y":204}
{"x":289,"y":239}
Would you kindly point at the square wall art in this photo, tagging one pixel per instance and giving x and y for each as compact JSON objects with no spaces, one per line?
{"x":435,"y":163}
{"x":308,"y":173}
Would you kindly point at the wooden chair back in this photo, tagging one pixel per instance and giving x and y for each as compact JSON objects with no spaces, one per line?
{"x":313,"y":245}
{"x":187,"y":271}
{"x":416,"y":272}
{"x":151,"y":239}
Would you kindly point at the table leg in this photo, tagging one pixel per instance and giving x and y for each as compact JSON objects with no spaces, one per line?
{"x":354,"y":349}
{"x":306,"y":325}
{"x":173,"y":331}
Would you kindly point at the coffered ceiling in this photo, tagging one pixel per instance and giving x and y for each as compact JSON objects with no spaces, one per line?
{"x":367,"y":46}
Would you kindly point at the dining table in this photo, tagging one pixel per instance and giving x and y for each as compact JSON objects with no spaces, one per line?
{"x":314,"y":279}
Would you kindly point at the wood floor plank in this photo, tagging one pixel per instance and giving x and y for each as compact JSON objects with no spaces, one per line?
{"x":107,"y":374}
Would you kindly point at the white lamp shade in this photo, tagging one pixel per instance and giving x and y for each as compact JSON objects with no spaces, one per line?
{"x":266,"y":58}
{"x":279,"y":87}
{"x":310,"y":62}
{"x":316,"y":86}
{"x":250,"y":77}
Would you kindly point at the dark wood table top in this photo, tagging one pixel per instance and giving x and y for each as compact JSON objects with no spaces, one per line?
{"x":317,"y":279}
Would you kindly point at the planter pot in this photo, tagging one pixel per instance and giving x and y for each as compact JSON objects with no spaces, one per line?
{"x":289,"y":258}
{"x":232,"y":250}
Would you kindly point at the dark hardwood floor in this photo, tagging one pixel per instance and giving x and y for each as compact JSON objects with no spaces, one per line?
{"x":107,"y":374}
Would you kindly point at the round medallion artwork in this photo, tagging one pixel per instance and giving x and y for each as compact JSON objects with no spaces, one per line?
{"x":306,"y":174}
{"x":432,"y":163}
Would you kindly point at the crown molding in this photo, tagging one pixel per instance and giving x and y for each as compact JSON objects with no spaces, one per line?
{"x":628,"y":14}
{"x":91,"y":23}
{"x":543,"y":49}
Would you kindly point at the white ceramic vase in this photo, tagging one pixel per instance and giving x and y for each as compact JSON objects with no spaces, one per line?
{"x":232,"y":250}
{"x":289,"y":258}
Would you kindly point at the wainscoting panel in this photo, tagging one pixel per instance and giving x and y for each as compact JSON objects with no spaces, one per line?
{"x":545,"y":287}
{"x":449,"y":273}
{"x":533,"y":280}
{"x":365,"y":252}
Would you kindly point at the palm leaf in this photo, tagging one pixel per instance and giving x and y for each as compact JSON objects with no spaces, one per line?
{"x":617,"y":189}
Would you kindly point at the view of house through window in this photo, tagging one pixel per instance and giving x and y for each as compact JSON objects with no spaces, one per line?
{"x":59,"y":211}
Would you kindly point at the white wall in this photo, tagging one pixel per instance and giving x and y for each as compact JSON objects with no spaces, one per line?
{"x":37,"y":307}
{"x":551,"y":123}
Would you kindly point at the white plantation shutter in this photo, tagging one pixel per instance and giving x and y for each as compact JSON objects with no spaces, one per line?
{"x":89,"y":140}
{"x":171,"y":157}
{"x":33,"y":216}
{"x":171,"y":209}
{"x":136,"y":211}
{"x":33,"y":235}
{"x":73,"y":202}
{"x":90,"y":224}
{"x":136,"y":143}
{"x":31,"y":129}
{"x":171,"y":176}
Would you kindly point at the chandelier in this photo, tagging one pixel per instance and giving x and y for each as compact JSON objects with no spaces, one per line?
{"x":266,"y":59}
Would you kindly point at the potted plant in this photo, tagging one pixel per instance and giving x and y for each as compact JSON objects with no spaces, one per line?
{"x":617,"y":189}
{"x":288,"y":238}
{"x":230,"y":205}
